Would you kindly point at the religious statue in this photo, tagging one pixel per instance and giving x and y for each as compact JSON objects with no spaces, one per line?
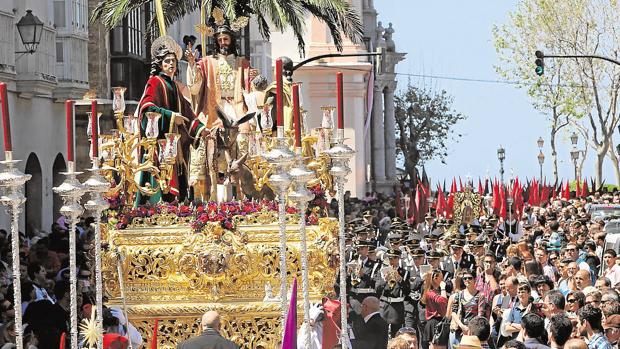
{"x":217,"y":83}
{"x":287,"y":95}
{"x":163,"y":111}
{"x":390,"y":46}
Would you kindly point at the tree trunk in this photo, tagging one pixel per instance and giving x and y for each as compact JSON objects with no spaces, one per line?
{"x":614,"y":161}
{"x":598,"y":168}
{"x":554,"y":155}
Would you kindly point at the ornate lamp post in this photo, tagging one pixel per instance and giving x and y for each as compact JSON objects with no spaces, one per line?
{"x":501,"y":155}
{"x":541,"y":156}
{"x":30,"y":29}
{"x":541,"y":161}
{"x":574,"y":154}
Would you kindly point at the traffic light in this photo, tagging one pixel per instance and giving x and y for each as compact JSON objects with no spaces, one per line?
{"x":540,"y":63}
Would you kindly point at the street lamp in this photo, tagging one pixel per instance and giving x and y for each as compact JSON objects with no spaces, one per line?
{"x":540,"y":142}
{"x":541,"y":161}
{"x":30,"y":29}
{"x":574,"y":155}
{"x":501,"y":155}
{"x":574,"y":138}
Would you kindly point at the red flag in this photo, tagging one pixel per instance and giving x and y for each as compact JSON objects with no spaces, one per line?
{"x":480,"y":188}
{"x":450,"y":206}
{"x":584,"y":189}
{"x":544,"y":194}
{"x":502,"y":200}
{"x":154,"y":338}
{"x":460,"y":184}
{"x":441,"y":202}
{"x":496,"y":203}
{"x":411,"y":210}
{"x":519,"y":200}
{"x":566,"y":192}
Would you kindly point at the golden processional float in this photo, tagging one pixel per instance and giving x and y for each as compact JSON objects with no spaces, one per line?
{"x":174,"y":262}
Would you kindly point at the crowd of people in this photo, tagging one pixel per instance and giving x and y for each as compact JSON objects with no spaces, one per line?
{"x":45,"y":289}
{"x":542,"y":279}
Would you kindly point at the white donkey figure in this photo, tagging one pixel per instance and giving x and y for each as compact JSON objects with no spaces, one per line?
{"x":316,"y":316}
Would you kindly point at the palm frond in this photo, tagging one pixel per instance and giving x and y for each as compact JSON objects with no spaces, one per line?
{"x":339,"y":16}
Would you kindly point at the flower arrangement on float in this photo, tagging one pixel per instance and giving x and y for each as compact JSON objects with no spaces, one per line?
{"x":202,"y":213}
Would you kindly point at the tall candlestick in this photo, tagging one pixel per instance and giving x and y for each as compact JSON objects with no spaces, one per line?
{"x":279,"y":92}
{"x":6,"y":121}
{"x":339,"y":84}
{"x":296,"y":116}
{"x":69,"y":120}
{"x":94,"y":128}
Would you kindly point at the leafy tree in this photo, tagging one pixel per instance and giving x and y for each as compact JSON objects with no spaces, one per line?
{"x":516,"y":42}
{"x":424,"y":121}
{"x":588,"y":88}
{"x":340,"y":17}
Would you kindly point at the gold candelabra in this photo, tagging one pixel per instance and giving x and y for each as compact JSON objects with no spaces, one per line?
{"x":127,"y":156}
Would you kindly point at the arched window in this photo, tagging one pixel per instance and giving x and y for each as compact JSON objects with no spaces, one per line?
{"x":57,"y":178}
{"x":34,"y":189}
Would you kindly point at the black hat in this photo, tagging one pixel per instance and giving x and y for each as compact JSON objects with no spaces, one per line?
{"x":355,"y":221}
{"x":429,"y":216}
{"x":458,"y":243}
{"x":362,"y":243}
{"x":433,"y":255}
{"x":372,"y":248}
{"x":412,"y":242}
{"x":472,"y":231}
{"x":393,"y":253}
{"x":417,"y":252}
{"x":478,"y":243}
{"x":431,"y":237}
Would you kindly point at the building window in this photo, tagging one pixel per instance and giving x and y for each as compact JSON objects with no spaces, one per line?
{"x":60,"y":56}
{"x":135,"y":32}
{"x":79,"y":13}
{"x":59,"y":14}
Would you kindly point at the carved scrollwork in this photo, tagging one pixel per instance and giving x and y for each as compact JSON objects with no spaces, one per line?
{"x":175,"y":274}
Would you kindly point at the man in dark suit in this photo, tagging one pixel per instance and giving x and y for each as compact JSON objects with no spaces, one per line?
{"x":210,"y":337}
{"x":370,"y":329}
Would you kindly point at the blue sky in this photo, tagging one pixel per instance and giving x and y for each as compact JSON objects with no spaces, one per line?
{"x":453,"y":39}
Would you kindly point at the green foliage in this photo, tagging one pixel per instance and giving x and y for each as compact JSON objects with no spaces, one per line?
{"x":425,"y":123}
{"x":338,"y":15}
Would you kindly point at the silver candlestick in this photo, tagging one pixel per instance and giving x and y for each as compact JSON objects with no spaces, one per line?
{"x":300,"y":195}
{"x":281,"y":157}
{"x":71,"y":190}
{"x":96,"y":185}
{"x":12,"y":181}
{"x":340,"y":154}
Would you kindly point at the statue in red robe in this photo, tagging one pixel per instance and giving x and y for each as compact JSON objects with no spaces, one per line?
{"x":162,"y":110}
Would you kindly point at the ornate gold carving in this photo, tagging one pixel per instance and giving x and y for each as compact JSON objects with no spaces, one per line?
{"x":175,"y":274}
{"x":467,"y":206}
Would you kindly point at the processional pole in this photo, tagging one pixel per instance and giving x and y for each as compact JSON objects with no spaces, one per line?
{"x":281,"y":157}
{"x":340,"y":154}
{"x":12,"y":181}
{"x":96,"y":185}
{"x":300,"y":195}
{"x":71,"y":190}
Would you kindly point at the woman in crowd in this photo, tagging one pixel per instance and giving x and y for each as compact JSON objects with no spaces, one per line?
{"x":465,"y":305}
{"x":574,"y":301}
{"x":435,"y":298}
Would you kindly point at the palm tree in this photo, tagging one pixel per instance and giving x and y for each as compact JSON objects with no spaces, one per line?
{"x":338,"y":15}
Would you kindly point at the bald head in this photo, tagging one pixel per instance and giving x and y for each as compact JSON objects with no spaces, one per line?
{"x":211,"y":319}
{"x":575,"y":344}
{"x":370,"y":305}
